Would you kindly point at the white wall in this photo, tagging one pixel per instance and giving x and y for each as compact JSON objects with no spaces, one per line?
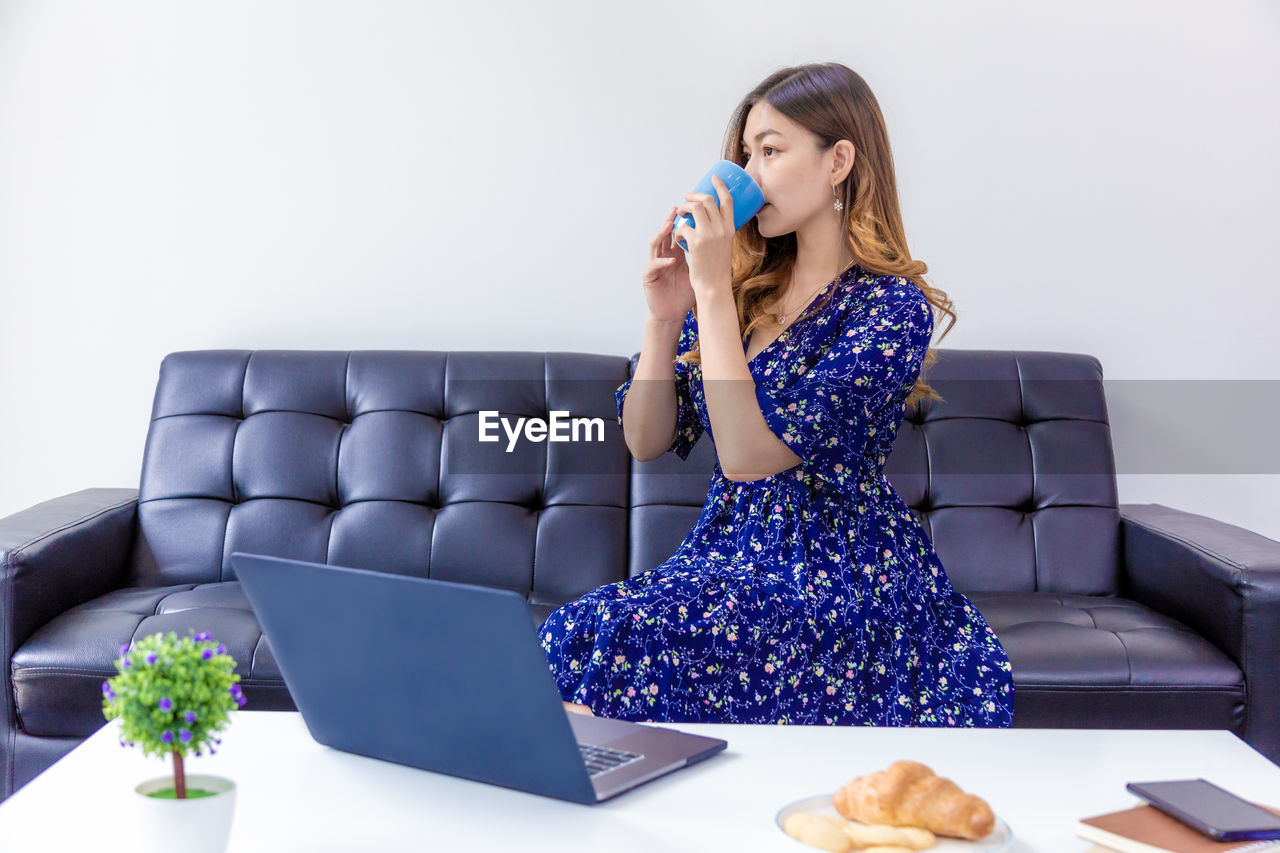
{"x":1094,"y":177}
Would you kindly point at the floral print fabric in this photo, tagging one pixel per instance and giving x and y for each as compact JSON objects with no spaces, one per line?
{"x":812,"y":596}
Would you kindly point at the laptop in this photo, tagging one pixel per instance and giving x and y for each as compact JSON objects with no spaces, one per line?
{"x":446,"y":677}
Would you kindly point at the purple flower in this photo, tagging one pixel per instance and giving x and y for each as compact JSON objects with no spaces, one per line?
{"x":202,"y":636}
{"x":206,"y":654}
{"x":185,"y":735}
{"x":151,"y":657}
{"x":124,"y":650}
{"x":222,"y":650}
{"x":106,"y":687}
{"x":128,"y":662}
{"x":235,"y":690}
{"x":165,"y":704}
{"x":167,"y":737}
{"x":190,"y":716}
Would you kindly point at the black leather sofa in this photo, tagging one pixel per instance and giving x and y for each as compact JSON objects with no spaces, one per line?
{"x":1133,"y":616}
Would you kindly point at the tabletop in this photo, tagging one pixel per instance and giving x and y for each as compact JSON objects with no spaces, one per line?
{"x":296,"y":794}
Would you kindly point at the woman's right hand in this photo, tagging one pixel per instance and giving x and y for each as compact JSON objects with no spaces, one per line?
{"x":667,"y":288}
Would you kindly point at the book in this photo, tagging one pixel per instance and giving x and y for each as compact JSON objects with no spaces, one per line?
{"x":1146,"y":829}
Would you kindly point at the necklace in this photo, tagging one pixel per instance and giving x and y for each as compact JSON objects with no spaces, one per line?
{"x":782,"y":318}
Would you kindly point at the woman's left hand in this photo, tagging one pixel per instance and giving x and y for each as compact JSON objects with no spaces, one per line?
{"x":711,"y":241}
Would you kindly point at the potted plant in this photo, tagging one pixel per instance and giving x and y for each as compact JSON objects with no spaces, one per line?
{"x":173,"y":696}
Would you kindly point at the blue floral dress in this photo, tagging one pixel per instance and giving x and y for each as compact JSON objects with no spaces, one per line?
{"x":812,"y":596}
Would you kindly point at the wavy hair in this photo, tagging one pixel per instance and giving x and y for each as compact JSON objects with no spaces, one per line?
{"x":833,"y":102}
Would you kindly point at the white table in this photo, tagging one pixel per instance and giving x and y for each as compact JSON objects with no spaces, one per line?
{"x":294,"y":794}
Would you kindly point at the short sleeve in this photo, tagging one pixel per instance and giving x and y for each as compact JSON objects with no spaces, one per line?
{"x":688,"y":424}
{"x":827,"y":414}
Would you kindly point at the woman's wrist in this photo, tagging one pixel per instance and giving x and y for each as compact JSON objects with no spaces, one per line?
{"x":664,"y":327}
{"x":712,"y":296}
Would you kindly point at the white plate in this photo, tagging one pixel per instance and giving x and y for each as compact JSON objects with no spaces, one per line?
{"x":999,"y":839}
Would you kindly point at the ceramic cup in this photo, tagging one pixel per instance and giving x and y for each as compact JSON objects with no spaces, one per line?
{"x":747,"y":196}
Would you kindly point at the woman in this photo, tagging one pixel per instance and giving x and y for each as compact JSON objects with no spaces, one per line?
{"x":806,"y":592}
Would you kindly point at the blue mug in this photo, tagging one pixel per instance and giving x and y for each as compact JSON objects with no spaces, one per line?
{"x":747,"y":196}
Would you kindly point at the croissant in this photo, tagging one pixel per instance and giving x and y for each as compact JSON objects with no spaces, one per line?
{"x":908,"y":793}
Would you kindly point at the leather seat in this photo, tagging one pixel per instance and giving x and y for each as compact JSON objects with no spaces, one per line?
{"x":1107,"y":662}
{"x":1087,"y":651}
{"x":78,"y":648}
{"x":56,"y":672}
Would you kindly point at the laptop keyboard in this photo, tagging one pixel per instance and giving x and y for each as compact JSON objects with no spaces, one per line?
{"x":600,"y":759}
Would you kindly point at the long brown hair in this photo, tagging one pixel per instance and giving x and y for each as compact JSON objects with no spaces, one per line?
{"x":833,"y":102}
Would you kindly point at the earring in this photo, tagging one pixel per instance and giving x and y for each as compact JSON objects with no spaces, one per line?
{"x":839,"y":205}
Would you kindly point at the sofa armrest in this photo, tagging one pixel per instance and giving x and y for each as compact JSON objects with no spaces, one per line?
{"x":1221,"y":580}
{"x":61,"y":553}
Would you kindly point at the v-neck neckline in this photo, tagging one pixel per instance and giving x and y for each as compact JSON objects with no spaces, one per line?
{"x":746,"y":344}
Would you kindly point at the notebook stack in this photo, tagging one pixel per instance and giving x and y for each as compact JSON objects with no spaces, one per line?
{"x":1146,"y":829}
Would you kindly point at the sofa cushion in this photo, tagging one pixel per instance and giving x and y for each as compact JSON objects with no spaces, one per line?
{"x":1075,"y":657}
{"x":1110,"y":662}
{"x":58,"y":672}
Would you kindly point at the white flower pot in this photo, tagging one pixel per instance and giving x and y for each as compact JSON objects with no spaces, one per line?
{"x":199,"y":825}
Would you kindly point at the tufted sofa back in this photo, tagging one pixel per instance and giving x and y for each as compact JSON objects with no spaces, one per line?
{"x":372,"y":459}
{"x":1012,"y":476}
